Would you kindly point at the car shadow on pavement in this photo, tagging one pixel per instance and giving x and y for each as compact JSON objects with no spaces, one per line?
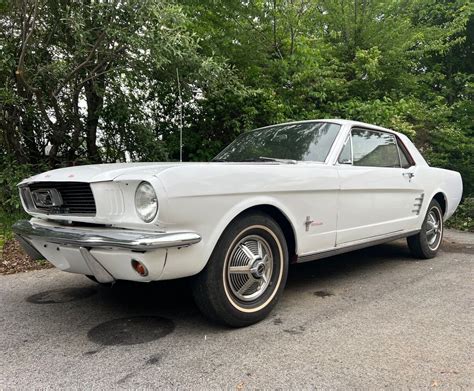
{"x":354,"y":262}
{"x":173,"y":299}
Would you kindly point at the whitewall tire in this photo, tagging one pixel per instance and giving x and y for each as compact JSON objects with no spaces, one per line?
{"x":246,"y":273}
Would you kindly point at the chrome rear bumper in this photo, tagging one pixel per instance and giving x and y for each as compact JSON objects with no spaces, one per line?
{"x":104,"y":237}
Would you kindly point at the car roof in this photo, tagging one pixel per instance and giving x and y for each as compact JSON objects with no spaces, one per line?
{"x":336,"y":121}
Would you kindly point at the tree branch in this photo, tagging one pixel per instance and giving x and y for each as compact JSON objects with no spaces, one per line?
{"x":82,"y":64}
{"x":26,"y":38}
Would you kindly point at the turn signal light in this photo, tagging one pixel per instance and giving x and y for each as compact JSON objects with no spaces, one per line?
{"x":139,"y":268}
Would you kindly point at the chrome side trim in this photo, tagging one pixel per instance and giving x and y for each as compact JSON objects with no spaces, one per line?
{"x":104,"y":237}
{"x":358,"y":246}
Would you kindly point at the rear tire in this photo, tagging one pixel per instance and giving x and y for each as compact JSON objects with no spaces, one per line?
{"x":426,"y":243}
{"x":246,"y":273}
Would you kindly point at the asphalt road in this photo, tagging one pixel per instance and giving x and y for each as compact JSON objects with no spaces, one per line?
{"x":371,"y":319}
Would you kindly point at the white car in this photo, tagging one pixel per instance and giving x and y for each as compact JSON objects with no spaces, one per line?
{"x":282,"y":194}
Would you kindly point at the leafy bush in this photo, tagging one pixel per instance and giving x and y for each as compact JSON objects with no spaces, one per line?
{"x":11,"y":173}
{"x":463,"y":219}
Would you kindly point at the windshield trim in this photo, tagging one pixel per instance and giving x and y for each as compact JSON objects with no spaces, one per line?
{"x":328,"y":156}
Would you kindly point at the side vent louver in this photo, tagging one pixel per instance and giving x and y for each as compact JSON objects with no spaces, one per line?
{"x":418,"y":203}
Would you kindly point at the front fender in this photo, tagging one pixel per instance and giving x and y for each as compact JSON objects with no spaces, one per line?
{"x":190,"y":261}
{"x":249,"y":203}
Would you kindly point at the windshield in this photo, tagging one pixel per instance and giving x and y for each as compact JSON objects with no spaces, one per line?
{"x":309,"y":141}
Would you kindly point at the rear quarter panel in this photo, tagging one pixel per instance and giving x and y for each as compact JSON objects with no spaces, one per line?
{"x":437,"y":180}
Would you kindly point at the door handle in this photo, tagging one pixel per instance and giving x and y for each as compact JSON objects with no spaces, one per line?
{"x":408,"y":174}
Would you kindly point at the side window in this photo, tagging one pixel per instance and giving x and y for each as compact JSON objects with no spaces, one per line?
{"x":346,"y":154}
{"x":374,"y":149}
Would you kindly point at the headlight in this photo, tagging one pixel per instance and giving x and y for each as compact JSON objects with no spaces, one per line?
{"x":146,"y":202}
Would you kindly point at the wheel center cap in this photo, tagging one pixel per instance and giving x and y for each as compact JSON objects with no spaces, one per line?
{"x":258,"y":268}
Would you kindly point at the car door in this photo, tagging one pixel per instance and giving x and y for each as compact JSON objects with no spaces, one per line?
{"x":378,"y":187}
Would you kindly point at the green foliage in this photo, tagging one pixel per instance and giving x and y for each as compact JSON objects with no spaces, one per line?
{"x":11,"y":173}
{"x":84,"y":81}
{"x":463,"y":218}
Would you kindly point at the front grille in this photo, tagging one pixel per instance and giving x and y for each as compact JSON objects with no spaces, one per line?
{"x":77,"y":198}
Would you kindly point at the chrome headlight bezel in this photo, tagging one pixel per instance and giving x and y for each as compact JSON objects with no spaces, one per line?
{"x":145,"y":198}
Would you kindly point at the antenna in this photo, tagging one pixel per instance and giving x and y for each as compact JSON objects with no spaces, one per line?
{"x":180,"y":118}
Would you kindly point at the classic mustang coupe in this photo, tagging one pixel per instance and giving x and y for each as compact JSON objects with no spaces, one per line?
{"x":282,"y":194}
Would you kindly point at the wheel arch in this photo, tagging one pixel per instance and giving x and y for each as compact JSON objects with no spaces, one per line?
{"x":442,"y":201}
{"x":269,"y":206}
{"x":282,"y":220}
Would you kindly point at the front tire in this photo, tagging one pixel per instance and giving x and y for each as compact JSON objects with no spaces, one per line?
{"x":426,"y":243}
{"x":246,"y":273}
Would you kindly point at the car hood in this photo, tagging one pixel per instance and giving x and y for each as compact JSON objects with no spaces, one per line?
{"x":100,"y":172}
{"x":109,"y":172}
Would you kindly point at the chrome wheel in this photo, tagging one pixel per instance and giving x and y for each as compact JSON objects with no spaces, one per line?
{"x":434,"y":228}
{"x":249,"y":268}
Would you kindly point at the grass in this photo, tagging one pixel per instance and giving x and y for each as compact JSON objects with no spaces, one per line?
{"x":6,"y":223}
{"x":2,"y":242}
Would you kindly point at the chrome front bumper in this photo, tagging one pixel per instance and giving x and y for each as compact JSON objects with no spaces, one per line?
{"x":104,"y":237}
{"x":86,"y":239}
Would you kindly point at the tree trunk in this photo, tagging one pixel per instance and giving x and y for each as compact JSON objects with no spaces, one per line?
{"x":95,"y":100}
{"x":73,"y":151}
{"x":23,"y":122}
{"x":10,"y":131}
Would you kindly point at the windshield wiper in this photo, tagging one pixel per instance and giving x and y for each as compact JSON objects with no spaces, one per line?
{"x":273,"y":159}
{"x":259,"y":159}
